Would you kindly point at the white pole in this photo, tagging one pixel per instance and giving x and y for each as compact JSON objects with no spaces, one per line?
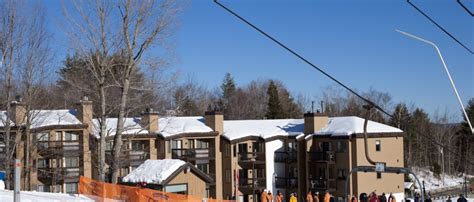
{"x":447,"y":72}
{"x":16,"y":192}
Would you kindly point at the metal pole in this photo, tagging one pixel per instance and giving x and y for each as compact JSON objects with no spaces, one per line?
{"x":447,"y":72}
{"x":16,"y":192}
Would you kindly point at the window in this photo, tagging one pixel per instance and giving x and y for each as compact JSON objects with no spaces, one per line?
{"x":341,"y":174}
{"x":242,"y":148}
{"x":71,"y":162}
{"x":341,"y":146}
{"x":235,"y":150}
{"x":191,"y":144}
{"x":71,"y":188}
{"x":71,"y":137}
{"x":176,"y":144}
{"x":44,"y":188}
{"x":379,"y":175}
{"x":42,"y":137}
{"x":204,"y":167}
{"x":292,"y":146}
{"x":43,"y":163}
{"x":377,"y":145}
{"x":139,"y":145}
{"x":177,"y":189}
{"x":108,"y":146}
{"x":257,"y":147}
{"x":201,"y":144}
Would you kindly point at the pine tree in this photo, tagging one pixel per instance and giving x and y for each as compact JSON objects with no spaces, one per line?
{"x":274,"y":109}
{"x":225,"y":101}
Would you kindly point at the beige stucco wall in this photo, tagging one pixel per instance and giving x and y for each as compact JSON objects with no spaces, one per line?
{"x":196,"y":185}
{"x":391,"y":153}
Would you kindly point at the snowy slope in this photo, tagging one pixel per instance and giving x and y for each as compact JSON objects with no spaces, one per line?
{"x":432,"y":182}
{"x":29,"y":196}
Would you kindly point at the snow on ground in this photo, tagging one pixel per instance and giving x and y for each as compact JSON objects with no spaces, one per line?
{"x":154,"y":171}
{"x":432,"y":182}
{"x":29,"y":196}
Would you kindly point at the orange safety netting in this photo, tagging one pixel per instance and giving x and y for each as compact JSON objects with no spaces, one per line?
{"x":102,"y":191}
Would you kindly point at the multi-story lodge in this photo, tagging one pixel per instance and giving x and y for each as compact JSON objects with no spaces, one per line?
{"x":243,"y":157}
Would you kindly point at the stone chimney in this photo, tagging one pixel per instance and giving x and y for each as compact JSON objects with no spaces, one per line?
{"x":17,"y":112}
{"x":314,"y":122}
{"x":149,"y":120}
{"x":215,"y":120}
{"x":85,"y":112}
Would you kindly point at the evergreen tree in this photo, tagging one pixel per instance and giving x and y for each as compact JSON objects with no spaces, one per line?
{"x":226,"y":99}
{"x":274,"y":109}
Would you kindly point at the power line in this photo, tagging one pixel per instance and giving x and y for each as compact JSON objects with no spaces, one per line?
{"x":440,"y":27}
{"x":465,"y":8}
{"x":302,"y":58}
{"x":331,"y":77}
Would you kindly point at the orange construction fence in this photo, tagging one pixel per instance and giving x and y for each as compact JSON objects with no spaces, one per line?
{"x":101,"y":191}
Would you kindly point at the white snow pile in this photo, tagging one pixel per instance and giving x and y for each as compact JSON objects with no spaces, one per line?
{"x":30,"y":196}
{"x":131,"y":126}
{"x":432,"y":182}
{"x":347,"y":125}
{"x":154,"y":171}
{"x":236,"y":129}
{"x":169,"y":126}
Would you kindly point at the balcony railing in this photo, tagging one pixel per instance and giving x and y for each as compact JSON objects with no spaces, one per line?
{"x":249,"y":183}
{"x":252,"y":156}
{"x":58,"y":146}
{"x":324,"y":156}
{"x":59,"y":173}
{"x":286,"y":156}
{"x":286,"y":182}
{"x":192,"y":153}
{"x":129,"y":157}
{"x":323,"y":184}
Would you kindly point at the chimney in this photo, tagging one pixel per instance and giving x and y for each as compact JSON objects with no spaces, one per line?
{"x":85,"y":112}
{"x":149,"y":120}
{"x":17,"y":111}
{"x":215,"y":120}
{"x":314,"y":122}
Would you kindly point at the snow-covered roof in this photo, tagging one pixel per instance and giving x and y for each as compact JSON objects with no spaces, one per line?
{"x":408,"y":185}
{"x":154,"y":171}
{"x":235,"y":129}
{"x":43,"y":118}
{"x":167,"y":126}
{"x":131,"y":127}
{"x":347,"y":125}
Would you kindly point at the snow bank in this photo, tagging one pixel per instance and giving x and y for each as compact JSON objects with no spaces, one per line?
{"x":236,"y":129}
{"x":29,"y":196}
{"x":432,"y":182}
{"x":154,"y":171}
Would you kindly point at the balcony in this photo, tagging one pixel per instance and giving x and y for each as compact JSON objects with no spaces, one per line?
{"x":286,"y":182}
{"x":59,"y":174}
{"x":58,"y":147}
{"x":190,"y":154}
{"x":247,"y":185}
{"x":323,"y":184}
{"x":252,"y":159}
{"x":286,"y":156}
{"x":324,"y":156}
{"x":129,"y":157}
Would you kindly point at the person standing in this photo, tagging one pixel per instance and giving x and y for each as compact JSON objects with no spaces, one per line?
{"x":269,"y":196}
{"x":293,"y":198}
{"x":278,"y":197}
{"x":332,"y":199}
{"x":354,"y":198}
{"x":327,"y":197}
{"x":309,"y":196}
{"x":316,"y":197}
{"x":263,"y":196}
{"x":383,"y":198}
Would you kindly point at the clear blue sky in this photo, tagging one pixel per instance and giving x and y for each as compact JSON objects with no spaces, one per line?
{"x":354,"y":41}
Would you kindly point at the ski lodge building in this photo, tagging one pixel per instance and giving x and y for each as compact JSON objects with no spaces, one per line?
{"x":238,"y":158}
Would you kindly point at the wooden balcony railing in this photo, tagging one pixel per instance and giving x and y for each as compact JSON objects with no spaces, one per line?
{"x":59,"y":173}
{"x":249,"y":183}
{"x":252,"y":156}
{"x":323,"y":184}
{"x":286,"y":156}
{"x":193,"y":153}
{"x":324,"y":156}
{"x":286,"y":182}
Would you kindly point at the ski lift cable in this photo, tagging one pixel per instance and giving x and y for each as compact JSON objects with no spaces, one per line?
{"x":465,"y":8}
{"x":440,"y":27}
{"x":302,"y":58}
{"x":370,"y":103}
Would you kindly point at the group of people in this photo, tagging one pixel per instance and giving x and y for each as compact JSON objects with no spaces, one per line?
{"x":373,"y":197}
{"x":266,"y":196}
